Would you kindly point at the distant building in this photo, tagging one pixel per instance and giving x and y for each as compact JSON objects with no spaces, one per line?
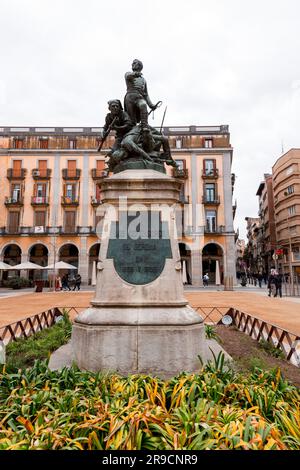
{"x":267,"y":240}
{"x":253,"y":250}
{"x":274,"y":237}
{"x":286,"y":188}
{"x":49,"y":179}
{"x":240,"y":251}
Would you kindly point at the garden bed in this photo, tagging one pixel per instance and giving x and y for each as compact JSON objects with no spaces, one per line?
{"x":248,"y":354}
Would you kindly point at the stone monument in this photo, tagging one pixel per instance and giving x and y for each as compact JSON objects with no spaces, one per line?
{"x":139,"y":320}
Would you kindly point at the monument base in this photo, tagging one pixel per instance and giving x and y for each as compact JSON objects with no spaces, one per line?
{"x":155,"y":340}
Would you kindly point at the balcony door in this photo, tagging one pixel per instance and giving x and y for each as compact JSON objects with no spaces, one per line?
{"x":16,"y":192}
{"x":70,"y":221}
{"x":209,"y":167}
{"x":210,"y":192}
{"x":211,"y":221}
{"x":13,"y":221}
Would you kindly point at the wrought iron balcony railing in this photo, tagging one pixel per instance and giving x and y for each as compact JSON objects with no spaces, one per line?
{"x":210,"y":174}
{"x":68,"y":174}
{"x":181,"y":173}
{"x":211,"y":200}
{"x":39,"y":201}
{"x":44,"y":174}
{"x":16,"y":174}
{"x":99,"y":174}
{"x":11,"y":201}
{"x":69,"y":201}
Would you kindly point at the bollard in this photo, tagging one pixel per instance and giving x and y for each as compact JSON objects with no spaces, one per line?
{"x":2,"y":352}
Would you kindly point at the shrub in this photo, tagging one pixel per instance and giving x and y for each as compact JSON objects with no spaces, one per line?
{"x":17,"y":282}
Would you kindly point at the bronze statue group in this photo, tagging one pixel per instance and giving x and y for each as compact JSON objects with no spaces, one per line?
{"x":135,"y":139}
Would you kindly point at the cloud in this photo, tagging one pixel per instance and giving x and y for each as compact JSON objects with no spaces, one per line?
{"x":210,"y":62}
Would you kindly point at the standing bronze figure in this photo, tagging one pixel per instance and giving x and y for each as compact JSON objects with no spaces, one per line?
{"x":137,"y":98}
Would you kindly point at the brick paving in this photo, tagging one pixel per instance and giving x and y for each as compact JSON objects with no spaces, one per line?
{"x":280,"y":312}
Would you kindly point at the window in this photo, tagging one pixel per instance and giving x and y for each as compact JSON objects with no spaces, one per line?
{"x":210,"y":192}
{"x":292,"y":210}
{"x":181,"y":164}
{"x":290,"y":189}
{"x":44,"y":143}
{"x":18,"y":143}
{"x":39,"y":218}
{"x":40,"y":190}
{"x":209,"y":167}
{"x":289,"y":170}
{"x":16,"y":192}
{"x":178,"y":143}
{"x":70,"y":191}
{"x":13,"y":221}
{"x":211,"y":221}
{"x":208,"y":143}
{"x":72,"y":143}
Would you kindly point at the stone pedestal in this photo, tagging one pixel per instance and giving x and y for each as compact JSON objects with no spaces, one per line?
{"x":139,"y":320}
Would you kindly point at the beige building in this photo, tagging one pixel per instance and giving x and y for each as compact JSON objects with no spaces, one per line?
{"x":50,"y":193}
{"x":267,"y":240}
{"x":286,"y":188}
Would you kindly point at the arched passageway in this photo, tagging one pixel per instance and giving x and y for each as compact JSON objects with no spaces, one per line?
{"x":211,"y":253}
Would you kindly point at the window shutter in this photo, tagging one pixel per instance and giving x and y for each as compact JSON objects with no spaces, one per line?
{"x":98,"y":192}
{"x":100,"y":165}
{"x":13,"y":221}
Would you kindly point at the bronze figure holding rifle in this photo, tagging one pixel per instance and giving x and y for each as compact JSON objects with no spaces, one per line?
{"x":116,"y":120}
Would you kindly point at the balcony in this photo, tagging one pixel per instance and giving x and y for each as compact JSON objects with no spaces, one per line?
{"x":210,"y":174}
{"x":184,"y":199}
{"x":71,"y":174}
{"x":210,"y":200}
{"x":39,"y":201}
{"x":181,"y":173}
{"x":38,"y":230}
{"x":10,"y":201}
{"x":44,"y":174}
{"x":18,"y":174}
{"x":216,"y":229}
{"x":99,"y":174}
{"x":95,"y":201}
{"x":69,"y":201}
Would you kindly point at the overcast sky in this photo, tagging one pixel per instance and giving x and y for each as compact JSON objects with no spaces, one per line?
{"x":211,"y":62}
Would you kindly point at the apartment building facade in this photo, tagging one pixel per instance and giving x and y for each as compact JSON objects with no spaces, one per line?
{"x":50,"y":181}
{"x":286,"y":189}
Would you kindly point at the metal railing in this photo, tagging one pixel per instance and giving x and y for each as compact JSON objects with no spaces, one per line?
{"x":31,"y":325}
{"x":256,"y":328}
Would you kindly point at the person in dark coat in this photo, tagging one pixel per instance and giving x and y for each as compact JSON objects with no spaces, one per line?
{"x":65,"y":282}
{"x":77,"y":282}
{"x":278,"y":284}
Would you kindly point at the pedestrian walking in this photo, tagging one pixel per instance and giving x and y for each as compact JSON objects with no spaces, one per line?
{"x":278,"y":284}
{"x":205,"y":279}
{"x":77,"y":282}
{"x":259,"y":278}
{"x":272,"y":283}
{"x":65,"y":282}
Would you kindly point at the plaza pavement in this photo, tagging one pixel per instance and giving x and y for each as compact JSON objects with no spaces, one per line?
{"x":281,"y":312}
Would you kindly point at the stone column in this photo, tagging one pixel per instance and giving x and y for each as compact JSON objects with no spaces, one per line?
{"x":83,"y":264}
{"x":229,"y":261}
{"x":24,"y":259}
{"x":196,"y":262}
